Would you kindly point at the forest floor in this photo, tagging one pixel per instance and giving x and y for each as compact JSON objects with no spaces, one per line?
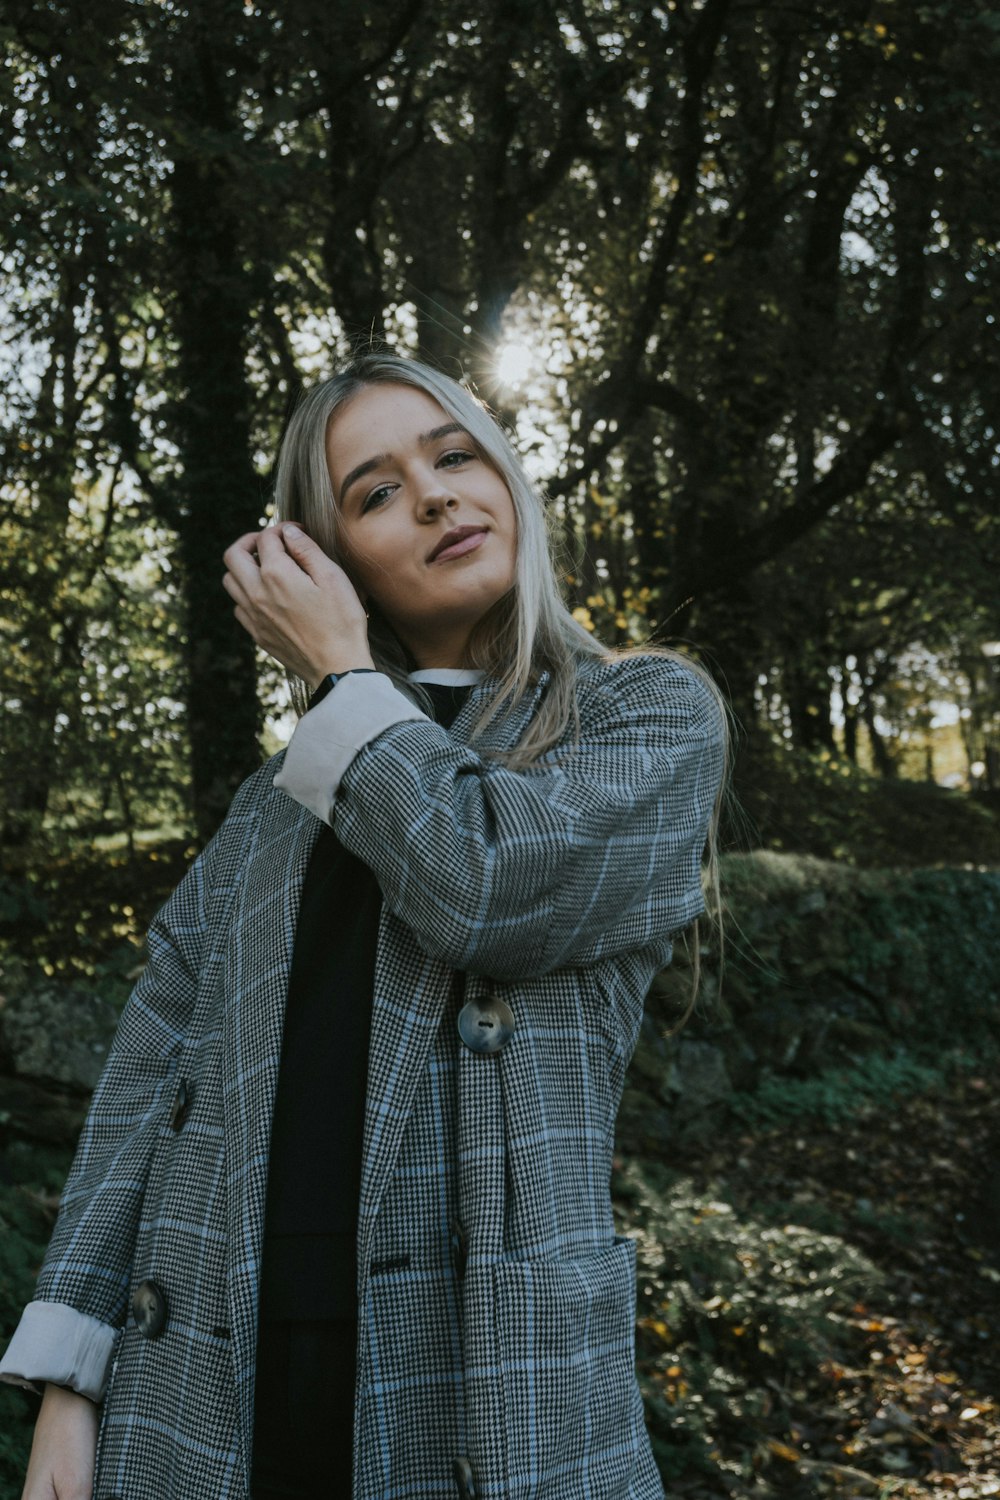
{"x":911,"y":1407}
{"x":823,"y":1313}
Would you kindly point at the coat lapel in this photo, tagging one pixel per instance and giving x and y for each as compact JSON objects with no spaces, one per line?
{"x":258,"y":964}
{"x":412,"y":992}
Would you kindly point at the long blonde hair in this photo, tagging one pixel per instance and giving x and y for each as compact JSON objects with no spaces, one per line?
{"x":530,"y":630}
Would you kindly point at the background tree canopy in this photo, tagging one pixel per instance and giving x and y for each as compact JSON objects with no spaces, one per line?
{"x":733,"y":262}
{"x":729,"y":272}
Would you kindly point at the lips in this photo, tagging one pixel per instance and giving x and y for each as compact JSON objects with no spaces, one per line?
{"x":457,"y":541}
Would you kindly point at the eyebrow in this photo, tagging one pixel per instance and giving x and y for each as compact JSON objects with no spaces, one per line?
{"x":384,"y":458}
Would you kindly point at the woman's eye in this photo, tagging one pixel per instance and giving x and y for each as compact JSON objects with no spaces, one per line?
{"x":455,"y":457}
{"x":377,"y":497}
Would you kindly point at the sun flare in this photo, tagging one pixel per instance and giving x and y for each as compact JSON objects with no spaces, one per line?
{"x":515,"y":363}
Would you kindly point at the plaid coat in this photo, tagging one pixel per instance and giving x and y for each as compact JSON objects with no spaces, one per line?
{"x":496,"y":1303}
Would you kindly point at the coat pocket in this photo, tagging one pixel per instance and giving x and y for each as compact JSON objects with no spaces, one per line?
{"x":566,"y":1347}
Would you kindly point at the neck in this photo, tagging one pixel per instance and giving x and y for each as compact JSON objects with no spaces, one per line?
{"x":450,"y":652}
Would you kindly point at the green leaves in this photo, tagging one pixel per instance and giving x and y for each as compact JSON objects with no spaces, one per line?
{"x":748,"y":248}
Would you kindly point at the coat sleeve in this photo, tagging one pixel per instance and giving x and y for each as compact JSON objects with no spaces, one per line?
{"x":67,"y":1334}
{"x":595,"y":850}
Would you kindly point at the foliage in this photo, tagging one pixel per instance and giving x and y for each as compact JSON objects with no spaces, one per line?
{"x":810,"y":1321}
{"x":92,"y":734}
{"x":835,"y":1095}
{"x":727,"y":1303}
{"x":910,"y":955}
{"x":818,"y":803}
{"x":83,"y":916}
{"x":18,"y":902}
{"x":748,"y":249}
{"x":843,"y":989}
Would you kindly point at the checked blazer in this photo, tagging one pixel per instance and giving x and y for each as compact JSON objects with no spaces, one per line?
{"x":496,"y":1304}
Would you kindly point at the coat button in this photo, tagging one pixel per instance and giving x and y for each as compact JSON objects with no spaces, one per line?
{"x":486,"y":1025}
{"x":464,"y":1482}
{"x":179,"y":1108}
{"x":459,"y":1241}
{"x":149,"y":1308}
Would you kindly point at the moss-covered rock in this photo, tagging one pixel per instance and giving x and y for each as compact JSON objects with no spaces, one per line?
{"x":826,"y":968}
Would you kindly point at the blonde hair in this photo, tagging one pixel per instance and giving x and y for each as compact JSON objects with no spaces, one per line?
{"x":529,"y":631}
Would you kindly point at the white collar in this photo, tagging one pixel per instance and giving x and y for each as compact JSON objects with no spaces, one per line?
{"x":448,"y":676}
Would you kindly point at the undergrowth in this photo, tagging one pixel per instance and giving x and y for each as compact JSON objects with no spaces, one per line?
{"x":729,"y":1304}
{"x":839,"y":1094}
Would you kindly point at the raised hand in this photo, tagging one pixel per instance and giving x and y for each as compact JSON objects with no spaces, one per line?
{"x":298,"y":605}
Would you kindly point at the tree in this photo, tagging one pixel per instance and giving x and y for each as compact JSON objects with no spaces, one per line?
{"x":750,"y":245}
{"x":811,"y":304}
{"x":71,"y":202}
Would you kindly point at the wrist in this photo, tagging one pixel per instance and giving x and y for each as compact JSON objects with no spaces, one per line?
{"x":65,"y":1398}
{"x":338,"y":665}
{"x":329,"y":681}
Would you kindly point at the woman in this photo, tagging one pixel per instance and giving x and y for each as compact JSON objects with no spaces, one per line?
{"x":351,"y":1150}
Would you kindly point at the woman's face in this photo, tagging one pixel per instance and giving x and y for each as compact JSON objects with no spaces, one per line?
{"x":428,"y":530}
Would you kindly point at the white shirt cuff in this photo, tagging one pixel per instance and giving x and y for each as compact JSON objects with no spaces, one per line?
{"x":56,"y":1343}
{"x":328,"y":738}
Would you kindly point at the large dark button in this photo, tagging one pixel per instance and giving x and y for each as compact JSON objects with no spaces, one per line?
{"x":149,"y":1309}
{"x":486,"y":1025}
{"x":459,"y":1247}
{"x":180,"y":1106}
{"x":464,"y":1482}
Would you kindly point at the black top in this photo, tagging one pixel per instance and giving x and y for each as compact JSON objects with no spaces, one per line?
{"x":314,"y":1170}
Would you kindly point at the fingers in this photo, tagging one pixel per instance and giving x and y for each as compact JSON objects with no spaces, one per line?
{"x":248,"y":556}
{"x":241,"y":559}
{"x":295,"y":602}
{"x":300,"y":547}
{"x":234,"y":588}
{"x":274,"y":556}
{"x":272,"y":550}
{"x":244,"y":549}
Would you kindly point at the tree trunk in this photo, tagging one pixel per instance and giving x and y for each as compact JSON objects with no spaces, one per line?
{"x":27,"y":782}
{"x":850,"y":711}
{"x":218,"y":495}
{"x":808,"y":696}
{"x":881,"y":755}
{"x":727,"y":631}
{"x":442,"y":340}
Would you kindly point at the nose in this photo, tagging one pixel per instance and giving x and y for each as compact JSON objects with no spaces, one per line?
{"x":434,"y":494}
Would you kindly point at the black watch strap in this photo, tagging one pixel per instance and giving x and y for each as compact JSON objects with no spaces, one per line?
{"x":330,"y":682}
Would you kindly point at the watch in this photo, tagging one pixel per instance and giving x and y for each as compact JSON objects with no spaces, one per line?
{"x":330,"y":682}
